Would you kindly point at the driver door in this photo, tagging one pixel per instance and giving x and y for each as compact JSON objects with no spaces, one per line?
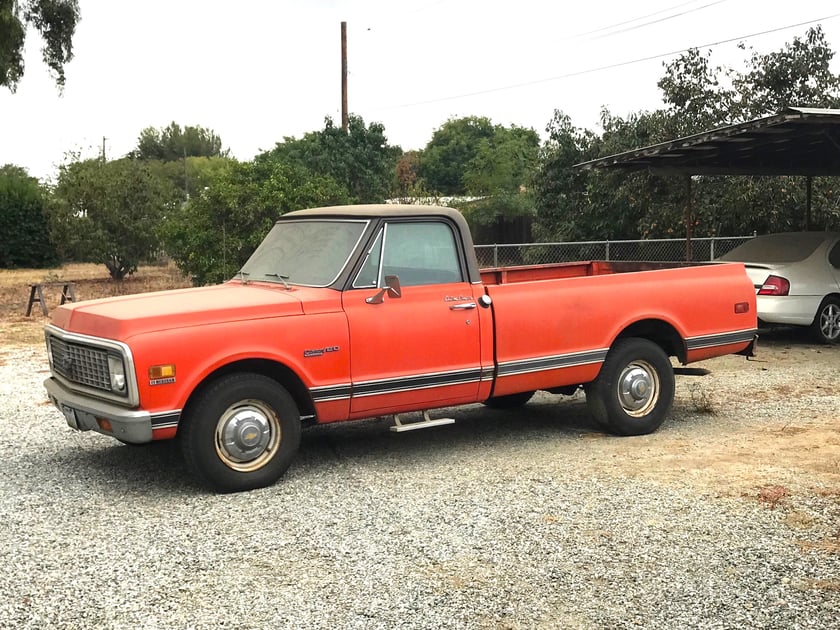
{"x":419,"y":346}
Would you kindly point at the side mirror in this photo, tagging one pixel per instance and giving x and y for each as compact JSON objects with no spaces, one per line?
{"x":392,"y":288}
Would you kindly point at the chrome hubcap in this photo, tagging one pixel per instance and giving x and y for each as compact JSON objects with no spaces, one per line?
{"x":247,"y":435}
{"x":638,"y":388}
{"x":830,"y":322}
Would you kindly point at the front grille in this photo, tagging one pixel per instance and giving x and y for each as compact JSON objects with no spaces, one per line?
{"x":81,"y":364}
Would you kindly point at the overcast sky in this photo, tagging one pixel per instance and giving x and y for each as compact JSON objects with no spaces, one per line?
{"x":256,"y":71}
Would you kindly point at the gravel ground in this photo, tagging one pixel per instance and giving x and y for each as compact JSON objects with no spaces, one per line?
{"x":525,"y":519}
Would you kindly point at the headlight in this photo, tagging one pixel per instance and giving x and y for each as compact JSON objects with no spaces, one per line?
{"x":116,"y":367}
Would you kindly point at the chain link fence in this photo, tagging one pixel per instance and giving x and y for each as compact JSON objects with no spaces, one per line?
{"x":660,"y":250}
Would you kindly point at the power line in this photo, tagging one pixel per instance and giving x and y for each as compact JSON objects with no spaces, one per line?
{"x":608,"y":67}
{"x":644,"y":17}
{"x":657,"y":21}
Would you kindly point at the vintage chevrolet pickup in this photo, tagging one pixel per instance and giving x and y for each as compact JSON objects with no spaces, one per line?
{"x":362,"y":311}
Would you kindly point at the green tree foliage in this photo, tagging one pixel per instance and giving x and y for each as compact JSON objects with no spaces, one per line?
{"x":23,"y":222}
{"x":452,"y":147}
{"x":560,"y":190}
{"x":698,"y":96}
{"x":55,"y":20}
{"x":109,"y":212}
{"x":173,"y":143}
{"x":360,"y":160}
{"x":212,"y":236}
{"x":798,"y":75}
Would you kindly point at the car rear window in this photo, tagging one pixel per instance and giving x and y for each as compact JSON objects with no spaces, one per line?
{"x":776,"y":248}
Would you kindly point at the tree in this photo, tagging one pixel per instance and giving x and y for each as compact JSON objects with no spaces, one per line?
{"x":173,"y":143}
{"x":212,"y":235}
{"x":23,"y":222}
{"x":361,"y":159}
{"x":109,"y":212}
{"x":452,"y":147}
{"x":560,"y":190}
{"x":798,"y":75}
{"x":55,"y":20}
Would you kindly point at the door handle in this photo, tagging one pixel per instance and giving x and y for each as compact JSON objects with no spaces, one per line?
{"x":467,"y":306}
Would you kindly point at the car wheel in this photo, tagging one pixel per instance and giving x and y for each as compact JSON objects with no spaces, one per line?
{"x":634,"y":390}
{"x":826,"y":326}
{"x":241,"y":433}
{"x":511,"y":401}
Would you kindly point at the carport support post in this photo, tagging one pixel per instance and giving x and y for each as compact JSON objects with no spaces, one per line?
{"x":689,"y":218}
{"x":809,"y":185}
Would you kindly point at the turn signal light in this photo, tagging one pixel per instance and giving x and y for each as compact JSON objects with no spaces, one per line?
{"x":742,"y":307}
{"x":105,"y":425}
{"x":162,"y":371}
{"x":775,"y":285}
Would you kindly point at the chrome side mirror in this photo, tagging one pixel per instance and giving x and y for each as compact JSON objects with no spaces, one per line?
{"x":392,"y":288}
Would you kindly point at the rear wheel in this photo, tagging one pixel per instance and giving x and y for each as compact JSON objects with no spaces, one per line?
{"x":511,"y":401}
{"x":634,"y":390}
{"x":242,"y":433}
{"x":826,"y":326}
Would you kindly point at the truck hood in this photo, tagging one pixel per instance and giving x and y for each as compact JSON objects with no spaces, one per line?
{"x":123,"y":317}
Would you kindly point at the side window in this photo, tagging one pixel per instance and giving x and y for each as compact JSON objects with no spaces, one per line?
{"x":421,"y":253}
{"x":834,"y":256}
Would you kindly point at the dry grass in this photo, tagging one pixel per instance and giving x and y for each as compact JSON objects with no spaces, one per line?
{"x":91,"y":281}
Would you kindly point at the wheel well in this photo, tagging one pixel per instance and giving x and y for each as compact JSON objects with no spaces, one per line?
{"x":276,"y":371}
{"x":661,"y":333}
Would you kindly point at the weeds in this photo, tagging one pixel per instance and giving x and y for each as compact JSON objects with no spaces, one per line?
{"x":701,"y":400}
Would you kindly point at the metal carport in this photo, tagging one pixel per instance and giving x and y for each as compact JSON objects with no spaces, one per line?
{"x":798,"y":141}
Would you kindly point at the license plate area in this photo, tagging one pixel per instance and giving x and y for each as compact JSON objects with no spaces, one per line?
{"x":70,"y":416}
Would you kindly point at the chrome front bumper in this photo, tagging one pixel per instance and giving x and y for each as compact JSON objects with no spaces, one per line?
{"x":84,"y":413}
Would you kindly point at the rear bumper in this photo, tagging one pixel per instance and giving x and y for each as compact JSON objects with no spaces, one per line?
{"x":791,"y":310}
{"x":84,"y":413}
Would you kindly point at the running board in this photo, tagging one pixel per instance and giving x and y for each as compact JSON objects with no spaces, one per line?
{"x":426,"y":423}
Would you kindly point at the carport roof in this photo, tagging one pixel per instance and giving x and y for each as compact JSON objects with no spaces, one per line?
{"x":796,"y":141}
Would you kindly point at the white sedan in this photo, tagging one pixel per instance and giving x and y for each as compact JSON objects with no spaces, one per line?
{"x":797,"y":279}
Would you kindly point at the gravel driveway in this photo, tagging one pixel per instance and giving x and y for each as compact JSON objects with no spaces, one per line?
{"x":524,"y":519}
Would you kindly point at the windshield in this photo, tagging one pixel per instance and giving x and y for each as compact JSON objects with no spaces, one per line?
{"x":310,"y":253}
{"x":776,"y":248}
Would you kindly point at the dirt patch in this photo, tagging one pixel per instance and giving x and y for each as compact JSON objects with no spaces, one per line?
{"x":90,"y":282}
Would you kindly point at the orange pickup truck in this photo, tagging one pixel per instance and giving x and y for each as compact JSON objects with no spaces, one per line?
{"x":361,"y":311}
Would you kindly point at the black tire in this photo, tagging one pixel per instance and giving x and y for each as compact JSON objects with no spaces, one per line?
{"x":826,"y":326}
{"x":634,"y":390}
{"x":242,"y":433}
{"x":511,"y":401}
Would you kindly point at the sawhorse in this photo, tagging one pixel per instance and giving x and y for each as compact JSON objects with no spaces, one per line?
{"x":36,"y":294}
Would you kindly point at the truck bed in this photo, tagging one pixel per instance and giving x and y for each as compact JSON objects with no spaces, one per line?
{"x":577,"y":269}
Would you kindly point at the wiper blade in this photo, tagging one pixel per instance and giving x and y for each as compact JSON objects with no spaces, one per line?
{"x":281,"y":277}
{"x":243,"y":275}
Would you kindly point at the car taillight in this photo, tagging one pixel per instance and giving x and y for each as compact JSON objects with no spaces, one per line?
{"x":774,"y":285}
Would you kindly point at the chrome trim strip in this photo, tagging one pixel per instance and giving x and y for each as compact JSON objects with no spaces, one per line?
{"x":166,"y":419}
{"x":420,"y":381}
{"x":330,"y":392}
{"x":720,"y":339}
{"x":554,"y":362}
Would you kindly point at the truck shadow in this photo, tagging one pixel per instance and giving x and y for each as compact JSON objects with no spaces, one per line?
{"x":158,"y":468}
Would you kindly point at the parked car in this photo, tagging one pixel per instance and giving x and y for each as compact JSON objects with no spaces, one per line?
{"x":797,"y":279}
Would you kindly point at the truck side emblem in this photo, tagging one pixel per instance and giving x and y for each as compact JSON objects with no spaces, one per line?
{"x":317,"y":352}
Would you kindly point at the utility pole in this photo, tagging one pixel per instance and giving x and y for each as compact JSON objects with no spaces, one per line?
{"x":344,"y":118}
{"x":103,"y":148}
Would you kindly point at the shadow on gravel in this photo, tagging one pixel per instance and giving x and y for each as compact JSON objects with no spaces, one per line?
{"x":476,"y":426}
{"x":135,"y":469}
{"x":159,"y":468}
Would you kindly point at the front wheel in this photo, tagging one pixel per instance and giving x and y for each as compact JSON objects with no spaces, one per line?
{"x":826,"y":326}
{"x":634,"y":390}
{"x":242,"y":433}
